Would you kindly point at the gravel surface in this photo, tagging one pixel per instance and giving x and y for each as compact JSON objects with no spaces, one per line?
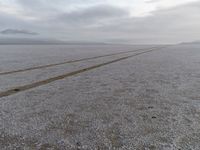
{"x":147,"y":102}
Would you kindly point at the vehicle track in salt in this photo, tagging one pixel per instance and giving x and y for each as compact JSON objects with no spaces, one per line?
{"x":26,"y":87}
{"x":68,"y":62}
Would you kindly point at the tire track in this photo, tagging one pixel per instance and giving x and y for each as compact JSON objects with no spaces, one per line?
{"x":50,"y":80}
{"x":67,"y":62}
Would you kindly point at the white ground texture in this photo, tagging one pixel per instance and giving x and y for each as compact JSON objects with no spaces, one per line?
{"x":147,"y":102}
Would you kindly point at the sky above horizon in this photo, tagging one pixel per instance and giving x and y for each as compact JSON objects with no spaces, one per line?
{"x":115,"y":21}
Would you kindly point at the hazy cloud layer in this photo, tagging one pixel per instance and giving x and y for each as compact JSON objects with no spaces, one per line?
{"x":92,"y":15}
{"x":17,"y":31}
{"x":130,"y":21}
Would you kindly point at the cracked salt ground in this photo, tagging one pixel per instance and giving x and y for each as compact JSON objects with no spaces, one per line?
{"x":146,"y":102}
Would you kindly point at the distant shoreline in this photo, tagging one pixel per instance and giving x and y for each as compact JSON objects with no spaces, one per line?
{"x":80,"y":44}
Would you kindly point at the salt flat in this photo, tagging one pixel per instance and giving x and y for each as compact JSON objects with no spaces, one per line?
{"x":150,"y":101}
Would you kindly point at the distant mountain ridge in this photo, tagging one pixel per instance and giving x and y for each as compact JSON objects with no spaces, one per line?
{"x":194,"y":42}
{"x":29,"y":41}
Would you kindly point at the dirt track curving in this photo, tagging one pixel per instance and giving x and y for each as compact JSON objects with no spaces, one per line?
{"x":18,"y":89}
{"x":67,"y":62}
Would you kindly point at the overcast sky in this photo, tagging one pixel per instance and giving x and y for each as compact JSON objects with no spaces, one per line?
{"x":117,"y":21}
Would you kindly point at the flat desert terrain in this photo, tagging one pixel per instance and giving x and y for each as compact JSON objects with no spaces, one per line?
{"x":100,"y":97}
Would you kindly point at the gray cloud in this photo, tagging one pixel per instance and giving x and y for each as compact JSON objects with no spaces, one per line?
{"x":163,"y":26}
{"x":105,"y":22}
{"x":17,"y":31}
{"x":94,"y":15}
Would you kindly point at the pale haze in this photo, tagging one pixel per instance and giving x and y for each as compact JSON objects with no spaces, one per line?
{"x":113,"y":21}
